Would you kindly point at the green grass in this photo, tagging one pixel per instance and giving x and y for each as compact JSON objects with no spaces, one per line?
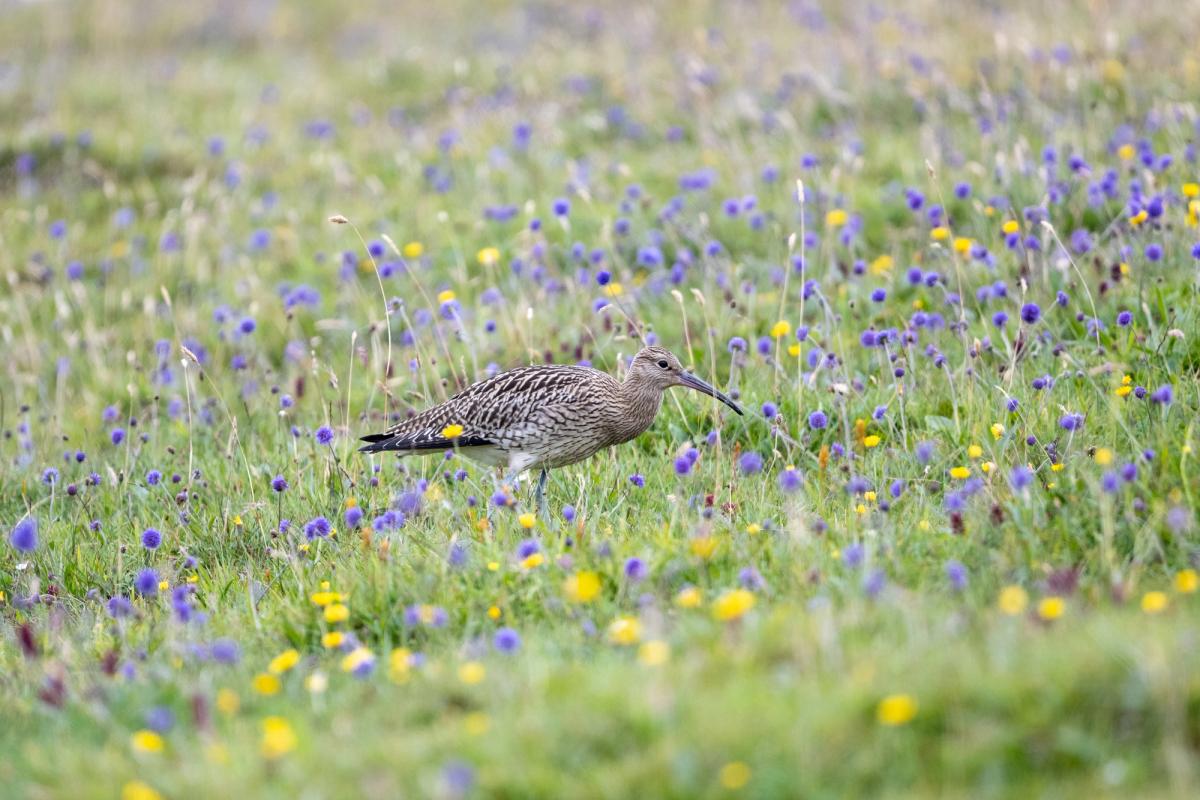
{"x":852,"y":603}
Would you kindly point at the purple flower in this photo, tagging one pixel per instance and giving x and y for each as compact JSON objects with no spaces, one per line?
{"x":1154,"y":252}
{"x":119,"y":607}
{"x":24,"y":536}
{"x":683,"y":465}
{"x":316,"y":528}
{"x":956,"y":573}
{"x":924,"y":452}
{"x":507,"y":640}
{"x":527,"y":548}
{"x":750,"y":578}
{"x":1163,"y":395}
{"x":1110,"y":482}
{"x":568,"y":513}
{"x":750,"y":463}
{"x":353,"y":516}
{"x":279,"y":483}
{"x":790,"y":479}
{"x":769,"y":410}
{"x":817,"y":420}
{"x":1030,"y":313}
{"x":153,"y":477}
{"x":562,"y":207}
{"x":1124,"y":319}
{"x":225,"y":651}
{"x":853,"y":555}
{"x":151,"y":539}
{"x":50,"y":476}
{"x":324,"y":435}
{"x":635,"y":569}
{"x":737,"y":345}
{"x":637,"y":480}
{"x":118,"y":435}
{"x":146,"y":583}
{"x":874,"y":582}
{"x":1071,"y":422}
{"x":1020,"y":477}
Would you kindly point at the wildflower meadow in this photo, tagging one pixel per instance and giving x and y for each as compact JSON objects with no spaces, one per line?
{"x":944,"y":254}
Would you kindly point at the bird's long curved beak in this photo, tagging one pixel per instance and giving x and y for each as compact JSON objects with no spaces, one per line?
{"x":692,"y":382}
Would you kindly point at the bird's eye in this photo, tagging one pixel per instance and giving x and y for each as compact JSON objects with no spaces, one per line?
{"x":663,"y":363}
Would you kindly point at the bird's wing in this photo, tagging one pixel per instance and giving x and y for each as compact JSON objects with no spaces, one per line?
{"x":486,"y":410}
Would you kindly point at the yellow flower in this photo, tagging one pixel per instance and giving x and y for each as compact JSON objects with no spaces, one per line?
{"x":939,"y":233}
{"x":896,"y":709}
{"x":452,"y":431}
{"x":324,"y":598}
{"x":487,"y":256}
{"x":527,"y":520}
{"x":1057,"y":467}
{"x":477,"y":723}
{"x":960,"y":473}
{"x":1139,"y":218}
{"x":625,"y":631}
{"x":1154,"y":602}
{"x":654,"y":653}
{"x":266,"y":684}
{"x":860,"y":509}
{"x":399,"y":664}
{"x":471,"y":673}
{"x":703,"y":546}
{"x":336,"y":613}
{"x":793,"y":349}
{"x":283,"y":662}
{"x":997,"y":430}
{"x":1013,"y":600}
{"x":974,"y":451}
{"x":962,"y":244}
{"x":882,"y":264}
{"x":836,"y":218}
{"x":445,"y":296}
{"x":413,"y":250}
{"x":735,"y":775}
{"x":753,"y":528}
{"x":781,"y":328}
{"x":493,"y":566}
{"x":987,"y":467}
{"x":138,"y":790}
{"x":1010,"y":226}
{"x":163,"y":586}
{"x":733,"y":604}
{"x":278,"y":737}
{"x":316,"y":682}
{"x":1187,"y":581}
{"x":146,"y":741}
{"x":333,"y":639}
{"x":871,"y":441}
{"x":1190,"y":189}
{"x":1051,"y":608}
{"x":689,"y":597}
{"x":357,"y":658}
{"x":533,"y":560}
{"x":1125,"y":152}
{"x":614,"y":289}
{"x":228,"y":702}
{"x":1103,"y":456}
{"x":493,"y":612}
{"x":1123,"y":391}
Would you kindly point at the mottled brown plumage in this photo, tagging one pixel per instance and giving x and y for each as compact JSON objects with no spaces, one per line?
{"x":545,"y":416}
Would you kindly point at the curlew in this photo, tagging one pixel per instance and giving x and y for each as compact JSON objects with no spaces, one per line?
{"x":544,"y":416}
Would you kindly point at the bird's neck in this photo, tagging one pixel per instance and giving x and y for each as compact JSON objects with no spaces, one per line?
{"x":639,"y":404}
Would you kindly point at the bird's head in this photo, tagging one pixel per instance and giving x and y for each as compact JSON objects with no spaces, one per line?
{"x":658,"y":368}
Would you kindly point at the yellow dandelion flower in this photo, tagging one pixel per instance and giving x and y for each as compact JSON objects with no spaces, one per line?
{"x":493,"y":612}
{"x":266,"y":684}
{"x":324,"y":598}
{"x":452,"y":431}
{"x":960,"y":473}
{"x":1190,"y":190}
{"x":1154,"y":602}
{"x":625,"y":631}
{"x":278,"y":738}
{"x":1057,"y":467}
{"x":940,"y":233}
{"x":532,"y":561}
{"x":1013,"y":600}
{"x":1139,"y":218}
{"x":493,"y":566}
{"x":793,"y":349}
{"x":582,"y":587}
{"x":336,"y":613}
{"x":1125,"y":152}
{"x":703,"y":546}
{"x":1010,"y":226}
{"x":356,"y":658}
{"x":836,"y":218}
{"x":753,"y":528}
{"x":614,"y":289}
{"x":923,"y":525}
{"x":283,"y":662}
{"x":487,"y":256}
{"x":733,"y":604}
{"x":734,"y":775}
{"x":882,"y":264}
{"x":1123,"y":391}
{"x":146,"y":741}
{"x":1103,"y":456}
{"x":333,"y":639}
{"x":471,"y":672}
{"x":139,"y":790}
{"x":689,"y":597}
{"x":963,"y":245}
{"x":869,"y":496}
{"x":399,"y":664}
{"x":1051,"y":608}
{"x":446,"y":296}
{"x":896,"y":709}
{"x":974,"y":451}
{"x":527,"y":520}
{"x":654,"y":653}
{"x":997,"y":430}
{"x":860,"y":509}
{"x":781,"y":328}
{"x":871,"y":441}
{"x":987,"y":467}
{"x":228,"y":702}
{"x":1187,"y":581}
{"x":413,"y":250}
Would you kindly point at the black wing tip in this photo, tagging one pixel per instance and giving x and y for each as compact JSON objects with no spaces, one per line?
{"x":382,"y":442}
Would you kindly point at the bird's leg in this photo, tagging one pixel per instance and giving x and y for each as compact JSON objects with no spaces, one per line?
{"x":541,"y":494}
